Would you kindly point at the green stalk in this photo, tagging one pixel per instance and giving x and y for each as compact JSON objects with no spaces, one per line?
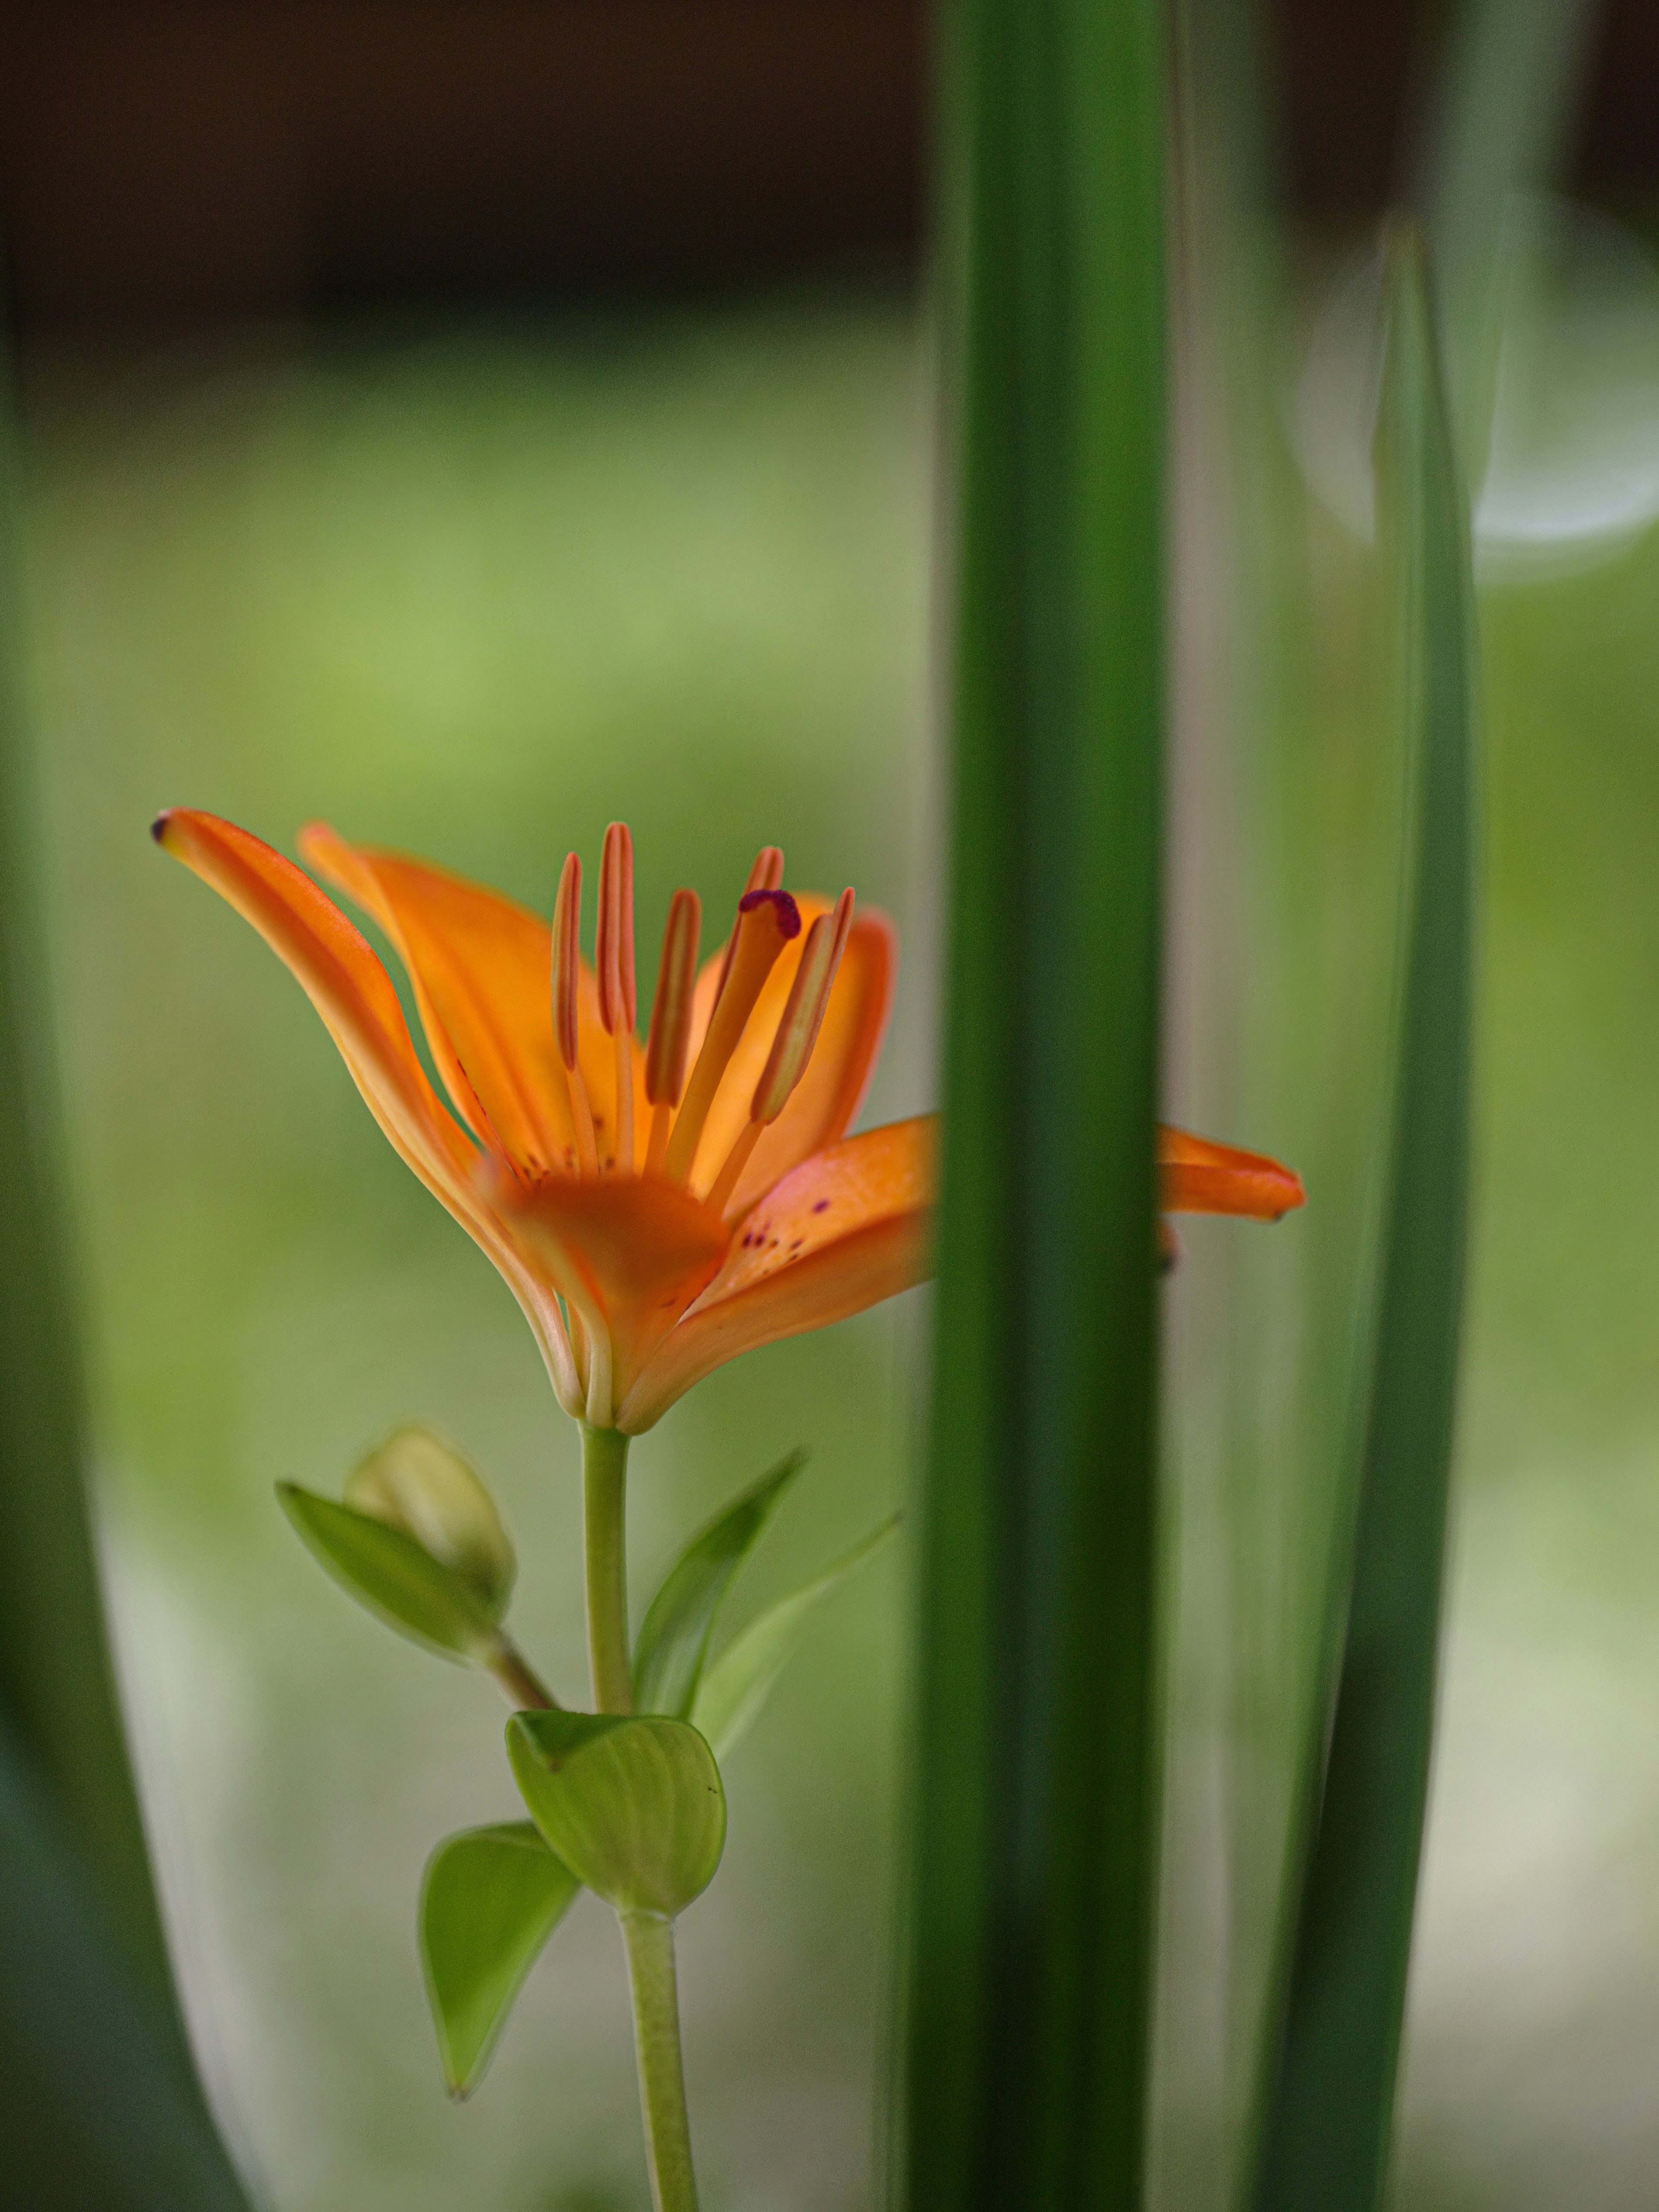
{"x":1033,"y":1844}
{"x":1329,"y":2119}
{"x":650,"y":1941}
{"x":99,"y":2098}
{"x":648,"y":1938}
{"x":604,"y":1493}
{"x":519,"y":1683}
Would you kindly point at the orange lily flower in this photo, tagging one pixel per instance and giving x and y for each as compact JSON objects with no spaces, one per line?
{"x":655,"y":1211}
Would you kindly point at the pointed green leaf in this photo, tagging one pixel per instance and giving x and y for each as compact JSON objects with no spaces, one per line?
{"x":392,"y":1575}
{"x":633,"y":1807}
{"x":1502,"y":105}
{"x":1034,"y":1799}
{"x":1329,"y":2120}
{"x":99,"y":2106}
{"x":673,"y":1645}
{"x":419,"y":1484}
{"x":491,"y":1899}
{"x":740,"y":1680}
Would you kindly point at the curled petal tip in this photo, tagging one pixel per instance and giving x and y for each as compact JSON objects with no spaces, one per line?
{"x":158,"y":828}
{"x":1201,"y":1177}
{"x":1295,"y":1193}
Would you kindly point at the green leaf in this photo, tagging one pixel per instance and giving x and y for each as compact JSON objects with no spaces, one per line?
{"x":99,"y":2106}
{"x":1504,"y":99}
{"x":1328,"y":2126}
{"x":1035,"y":1801}
{"x":491,"y":1899}
{"x":99,"y":2101}
{"x":633,"y":1806}
{"x":740,"y":1680}
{"x":673,"y":1641}
{"x":419,"y":1484}
{"x":392,"y":1575}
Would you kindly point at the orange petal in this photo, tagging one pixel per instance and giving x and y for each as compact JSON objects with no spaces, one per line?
{"x":830,"y":1093}
{"x":345,"y":982}
{"x":482,"y":968}
{"x":1198,"y":1177}
{"x":845,"y":1230}
{"x":642,"y":1246}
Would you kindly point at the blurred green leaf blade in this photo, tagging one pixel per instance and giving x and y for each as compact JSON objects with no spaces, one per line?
{"x":634,"y":1807}
{"x":397,"y":1579}
{"x":491,"y":1899}
{"x":1329,"y":2119}
{"x":416,"y":1482}
{"x":1035,"y":1798}
{"x":98,"y":2103}
{"x":673,"y":1648}
{"x":737,"y":1685}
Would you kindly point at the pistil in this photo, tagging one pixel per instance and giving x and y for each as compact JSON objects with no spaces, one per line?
{"x":792,"y":1045}
{"x":766,"y":920}
{"x":766,"y":875}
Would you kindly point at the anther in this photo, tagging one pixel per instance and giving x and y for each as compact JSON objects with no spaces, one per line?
{"x":567,"y":984}
{"x":613,"y":957}
{"x":767,"y":920}
{"x":567,"y":957}
{"x":792,"y":1045}
{"x":613,"y":951}
{"x":670,"y":1043}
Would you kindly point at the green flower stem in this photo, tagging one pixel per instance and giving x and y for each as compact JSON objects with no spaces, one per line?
{"x":517,"y":1682}
{"x":650,"y":1941}
{"x":605,"y":1490}
{"x":648,"y":1937}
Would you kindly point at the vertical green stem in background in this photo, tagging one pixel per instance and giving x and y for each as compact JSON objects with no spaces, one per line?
{"x":1504,"y":99}
{"x":56,"y":1687}
{"x":1033,"y":1864}
{"x":650,"y":1941}
{"x":99,"y":2102}
{"x":1329,"y":2122}
{"x":604,"y":1532}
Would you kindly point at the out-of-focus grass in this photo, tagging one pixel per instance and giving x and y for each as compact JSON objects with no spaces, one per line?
{"x":1531,"y":2079}
{"x":475,"y":593}
{"x":471,"y":594}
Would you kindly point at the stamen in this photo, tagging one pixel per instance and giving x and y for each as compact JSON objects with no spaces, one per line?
{"x":736,"y":1161}
{"x":766,"y":875}
{"x":803,"y":1017}
{"x":613,"y":957}
{"x":567,"y":982}
{"x":767,"y":920}
{"x":792,"y":1045}
{"x":613,"y":951}
{"x":671,"y":1012}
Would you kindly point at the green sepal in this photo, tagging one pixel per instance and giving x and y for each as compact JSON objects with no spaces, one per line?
{"x":673,"y":1641}
{"x":633,"y":1806}
{"x":417,"y":1483}
{"x":738,"y":1683}
{"x":489,"y":1900}
{"x":392,"y":1575}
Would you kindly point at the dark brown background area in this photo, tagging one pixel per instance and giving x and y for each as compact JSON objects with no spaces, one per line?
{"x":168,"y":163}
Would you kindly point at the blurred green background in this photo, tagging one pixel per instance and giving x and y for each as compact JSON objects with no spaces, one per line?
{"x":472,"y":590}
{"x":473,"y":581}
